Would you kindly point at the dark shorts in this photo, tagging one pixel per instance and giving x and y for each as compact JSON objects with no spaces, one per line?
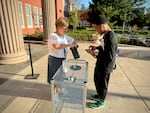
{"x":53,"y":65}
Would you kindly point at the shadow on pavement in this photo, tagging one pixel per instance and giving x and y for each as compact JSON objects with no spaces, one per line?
{"x":2,"y":80}
{"x":25,"y":89}
{"x":8,"y":73}
{"x":140,"y":55}
{"x":112,"y":94}
{"x":127,"y":96}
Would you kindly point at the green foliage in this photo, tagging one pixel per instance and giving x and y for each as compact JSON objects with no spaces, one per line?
{"x":74,"y":19}
{"x":147,"y":17}
{"x":130,"y":41}
{"x":77,"y":3}
{"x":139,"y":18}
{"x":123,"y":40}
{"x":81,"y":37}
{"x":82,"y":34}
{"x":83,"y":7}
{"x":125,"y":11}
{"x":36,"y":37}
{"x":119,"y":11}
{"x":86,"y":35}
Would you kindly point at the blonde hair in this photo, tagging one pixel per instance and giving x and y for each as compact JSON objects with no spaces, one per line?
{"x":61,"y":22}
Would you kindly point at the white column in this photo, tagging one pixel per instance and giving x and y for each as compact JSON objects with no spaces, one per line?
{"x":11,"y":40}
{"x":49,"y":17}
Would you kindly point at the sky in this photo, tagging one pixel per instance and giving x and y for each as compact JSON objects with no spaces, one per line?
{"x":147,"y":4}
{"x":86,"y":3}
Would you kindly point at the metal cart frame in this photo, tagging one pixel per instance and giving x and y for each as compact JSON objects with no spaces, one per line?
{"x":69,"y":87}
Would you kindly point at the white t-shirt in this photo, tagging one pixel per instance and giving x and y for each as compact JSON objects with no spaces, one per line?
{"x":56,"y":39}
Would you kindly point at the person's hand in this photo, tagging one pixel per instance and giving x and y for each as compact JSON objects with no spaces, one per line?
{"x":92,"y":47}
{"x":90,"y":50}
{"x":73,"y":45}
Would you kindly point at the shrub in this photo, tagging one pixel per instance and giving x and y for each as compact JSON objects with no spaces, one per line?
{"x":123,"y":40}
{"x":36,"y":37}
{"x":82,"y":35}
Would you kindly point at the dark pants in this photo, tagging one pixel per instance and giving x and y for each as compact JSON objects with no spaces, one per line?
{"x":53,"y":65}
{"x":101,"y":79}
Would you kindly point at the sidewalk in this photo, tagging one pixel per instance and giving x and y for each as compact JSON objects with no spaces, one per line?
{"x":129,"y":88}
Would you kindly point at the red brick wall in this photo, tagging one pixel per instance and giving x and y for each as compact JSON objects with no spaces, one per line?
{"x":32,"y":30}
{"x":37,"y":3}
{"x":60,"y":8}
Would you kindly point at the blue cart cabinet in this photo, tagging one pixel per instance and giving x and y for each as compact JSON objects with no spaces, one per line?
{"x":69,"y":87}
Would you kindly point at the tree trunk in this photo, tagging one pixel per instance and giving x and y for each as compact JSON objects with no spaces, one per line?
{"x":123,"y":26}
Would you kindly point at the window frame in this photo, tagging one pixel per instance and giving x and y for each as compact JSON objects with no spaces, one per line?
{"x":41,"y":18}
{"x":29,"y":16}
{"x":36,"y":17}
{"x":21,"y":14}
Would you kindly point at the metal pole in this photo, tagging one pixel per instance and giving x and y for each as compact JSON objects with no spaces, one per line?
{"x":31,"y":76}
{"x":30,"y":56}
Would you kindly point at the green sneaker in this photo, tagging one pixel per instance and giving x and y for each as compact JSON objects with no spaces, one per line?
{"x":94,"y":97}
{"x":97,"y":105}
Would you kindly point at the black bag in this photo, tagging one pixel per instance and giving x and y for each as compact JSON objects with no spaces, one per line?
{"x":75,"y":52}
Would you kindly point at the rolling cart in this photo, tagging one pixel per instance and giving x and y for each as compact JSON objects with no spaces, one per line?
{"x":69,"y":87}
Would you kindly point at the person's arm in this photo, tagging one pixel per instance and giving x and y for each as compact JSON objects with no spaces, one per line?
{"x":70,"y":40}
{"x":61,"y":46}
{"x":91,"y":50}
{"x":109,"y":52}
{"x":75,"y":43}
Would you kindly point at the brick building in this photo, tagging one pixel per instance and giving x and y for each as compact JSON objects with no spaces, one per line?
{"x":31,"y":16}
{"x":22,"y":17}
{"x":30,"y":12}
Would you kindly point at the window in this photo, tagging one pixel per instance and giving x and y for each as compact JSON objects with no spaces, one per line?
{"x":28,"y":15}
{"x":36,"y":19}
{"x":21,"y":14}
{"x":41,"y":18}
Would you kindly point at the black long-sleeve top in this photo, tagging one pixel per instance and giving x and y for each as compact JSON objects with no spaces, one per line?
{"x":107,"y":54}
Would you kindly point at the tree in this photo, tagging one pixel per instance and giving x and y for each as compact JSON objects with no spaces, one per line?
{"x":83,"y":7}
{"x":77,"y":3}
{"x":147,"y":17}
{"x":116,"y":10}
{"x":129,"y":10}
{"x":107,"y":8}
{"x":74,"y":15}
{"x":126,"y":13}
{"x":74,"y":19}
{"x":139,"y":18}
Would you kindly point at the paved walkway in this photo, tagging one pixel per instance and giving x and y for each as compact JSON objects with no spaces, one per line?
{"x":129,"y":88}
